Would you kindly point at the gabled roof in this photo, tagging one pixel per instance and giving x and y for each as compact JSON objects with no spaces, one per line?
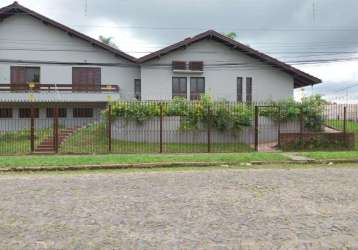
{"x":16,"y":8}
{"x":301,"y":78}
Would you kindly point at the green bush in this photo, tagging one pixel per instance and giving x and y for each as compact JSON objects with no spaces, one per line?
{"x":312,"y":108}
{"x":222,"y":115}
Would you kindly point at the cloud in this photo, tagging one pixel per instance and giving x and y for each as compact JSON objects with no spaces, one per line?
{"x":288,"y":30}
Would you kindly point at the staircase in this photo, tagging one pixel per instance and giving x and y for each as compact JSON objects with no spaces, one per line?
{"x":47,"y":146}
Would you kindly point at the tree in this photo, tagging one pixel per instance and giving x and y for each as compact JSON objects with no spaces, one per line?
{"x":231,"y":35}
{"x":108,"y":41}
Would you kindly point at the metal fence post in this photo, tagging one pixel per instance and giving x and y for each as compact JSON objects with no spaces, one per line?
{"x":55,"y":128}
{"x":301,"y":126}
{"x":109,"y":128}
{"x":345,"y":120}
{"x":279,"y":127}
{"x":161,"y":128}
{"x":257,"y":128}
{"x":32,"y":129}
{"x":209,"y":129}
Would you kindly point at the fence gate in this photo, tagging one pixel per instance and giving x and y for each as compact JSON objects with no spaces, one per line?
{"x":267,"y":128}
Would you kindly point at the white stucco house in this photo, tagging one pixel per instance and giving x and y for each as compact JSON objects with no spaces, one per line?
{"x":44,"y":62}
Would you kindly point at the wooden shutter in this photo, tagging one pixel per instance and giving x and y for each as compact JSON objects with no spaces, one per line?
{"x":196,"y":66}
{"x":86,"y":79}
{"x":18,"y":78}
{"x":179,"y":65}
{"x":239,"y":89}
{"x":179,"y":87}
{"x":197,"y":87}
{"x":249,"y":90}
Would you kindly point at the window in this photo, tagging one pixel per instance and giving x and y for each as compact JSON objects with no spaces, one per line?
{"x":26,"y":113}
{"x":137,"y":89}
{"x":5,"y":113}
{"x":82,"y":112}
{"x":196,"y":66}
{"x":62,"y":113}
{"x":248,"y":89}
{"x":86,"y":79}
{"x":21,"y":76}
{"x":239,"y":89}
{"x":178,"y":65}
{"x":197,"y":87}
{"x":179,"y":87}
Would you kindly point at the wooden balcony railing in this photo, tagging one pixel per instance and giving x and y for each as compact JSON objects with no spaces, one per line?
{"x":58,"y":87}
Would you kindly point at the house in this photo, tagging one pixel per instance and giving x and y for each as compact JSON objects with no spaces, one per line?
{"x":43,"y":62}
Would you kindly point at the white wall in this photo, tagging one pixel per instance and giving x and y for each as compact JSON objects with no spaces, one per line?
{"x":221,"y":81}
{"x":27,"y":39}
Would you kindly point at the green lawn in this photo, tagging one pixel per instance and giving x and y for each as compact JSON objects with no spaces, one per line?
{"x":347,"y":155}
{"x":58,"y":160}
{"x":351,"y":126}
{"x":94,"y":139}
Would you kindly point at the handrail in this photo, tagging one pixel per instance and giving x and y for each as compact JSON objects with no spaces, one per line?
{"x":59,"y":87}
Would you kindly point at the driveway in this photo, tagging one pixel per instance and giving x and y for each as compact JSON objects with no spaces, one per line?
{"x":218,"y":209}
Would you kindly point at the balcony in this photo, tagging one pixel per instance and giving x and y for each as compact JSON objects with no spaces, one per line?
{"x":20,"y":88}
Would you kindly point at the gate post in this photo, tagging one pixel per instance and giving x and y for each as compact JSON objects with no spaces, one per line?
{"x":345,"y":120}
{"x":256,"y":128}
{"x":32,"y":129}
{"x":161,"y":128}
{"x":301,"y":126}
{"x":279,"y":127}
{"x":109,"y":128}
{"x":55,"y":128}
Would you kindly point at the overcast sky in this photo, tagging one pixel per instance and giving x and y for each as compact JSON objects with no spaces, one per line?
{"x":290,"y":30}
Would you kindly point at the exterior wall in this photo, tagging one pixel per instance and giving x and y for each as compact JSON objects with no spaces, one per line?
{"x":18,"y":124}
{"x":220,"y":81}
{"x":26,"y":39}
{"x":149,"y":132}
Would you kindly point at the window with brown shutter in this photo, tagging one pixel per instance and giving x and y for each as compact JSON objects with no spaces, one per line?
{"x":249,"y":89}
{"x":179,"y":87}
{"x":82,"y":112}
{"x":26,"y":113}
{"x":239,"y":89}
{"x":22,"y":76}
{"x":197,"y":87}
{"x":86,"y":79}
{"x":137,"y":89}
{"x":5,"y":113}
{"x":196,"y":66}
{"x":179,"y":65}
{"x":62,"y":112}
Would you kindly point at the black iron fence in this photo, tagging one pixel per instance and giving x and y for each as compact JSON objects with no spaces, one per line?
{"x":184,"y":127}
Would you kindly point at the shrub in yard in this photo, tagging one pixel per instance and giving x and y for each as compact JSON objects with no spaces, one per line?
{"x":289,"y":110}
{"x":222,"y":115}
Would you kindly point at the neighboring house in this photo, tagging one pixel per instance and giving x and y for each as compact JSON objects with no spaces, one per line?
{"x":82,"y":74}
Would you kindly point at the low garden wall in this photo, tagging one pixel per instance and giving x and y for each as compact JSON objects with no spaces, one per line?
{"x":315,"y":141}
{"x":149,"y":132}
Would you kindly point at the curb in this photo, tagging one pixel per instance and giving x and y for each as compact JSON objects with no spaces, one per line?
{"x":169,"y":165}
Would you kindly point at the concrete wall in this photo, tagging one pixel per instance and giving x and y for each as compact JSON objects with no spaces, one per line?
{"x":27,"y":39}
{"x":149,"y":132}
{"x":221,"y":81}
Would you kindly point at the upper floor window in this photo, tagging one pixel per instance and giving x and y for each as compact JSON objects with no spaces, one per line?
{"x":179,"y":88}
{"x":196,"y":66}
{"x":138,"y":89}
{"x":197,"y":87}
{"x":179,"y":65}
{"x":86,"y":79}
{"x":22,"y":76}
